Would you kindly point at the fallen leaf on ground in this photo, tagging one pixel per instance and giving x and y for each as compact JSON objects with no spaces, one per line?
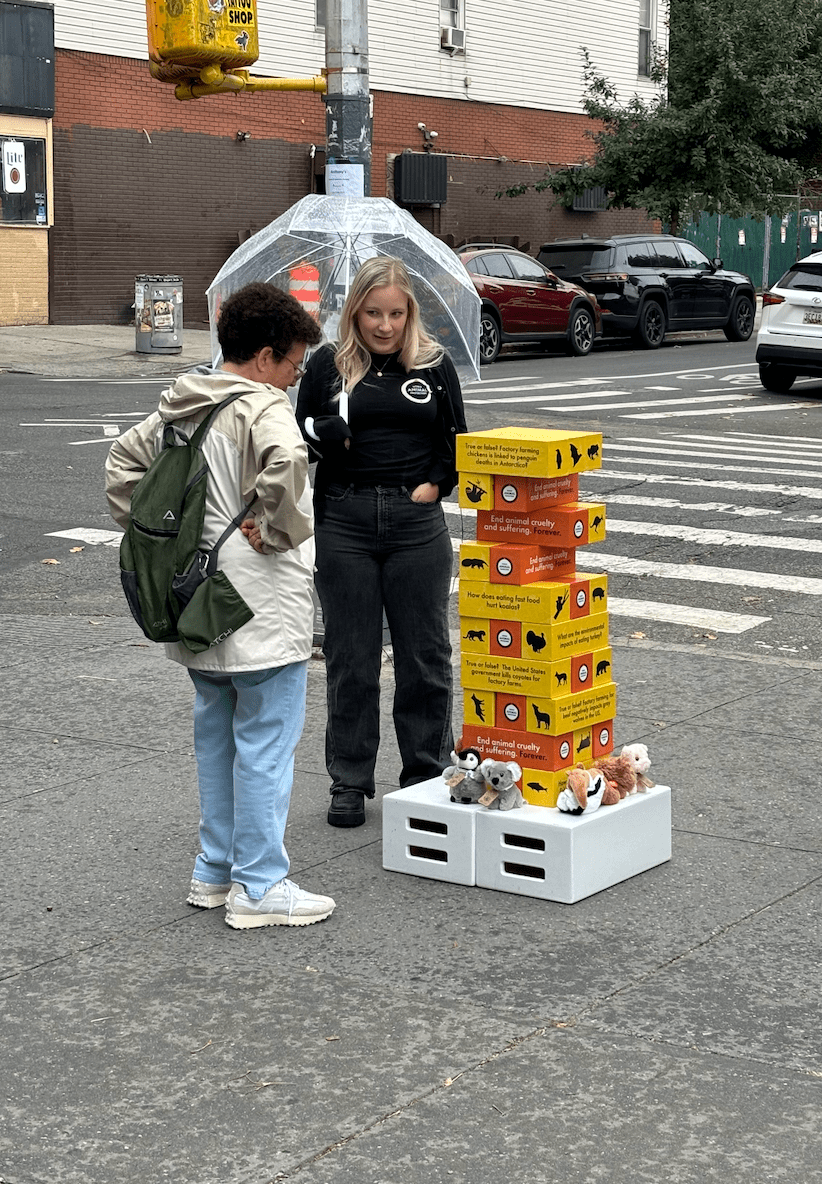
{"x":74,"y":550}
{"x":56,"y":562}
{"x":637,"y":634}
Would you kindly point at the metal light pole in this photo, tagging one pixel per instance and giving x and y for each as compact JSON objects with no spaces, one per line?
{"x":347,"y":102}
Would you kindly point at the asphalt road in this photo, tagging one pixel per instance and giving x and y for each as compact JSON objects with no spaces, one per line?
{"x":710,"y":483}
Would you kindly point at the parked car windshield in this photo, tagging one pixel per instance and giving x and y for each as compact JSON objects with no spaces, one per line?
{"x":807,"y":276}
{"x":574,"y":260}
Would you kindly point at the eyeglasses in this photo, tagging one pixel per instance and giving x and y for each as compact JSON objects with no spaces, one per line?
{"x":299,"y":371}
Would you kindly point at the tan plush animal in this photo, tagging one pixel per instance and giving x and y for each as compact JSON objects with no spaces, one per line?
{"x":619,"y":772}
{"x":586,"y":791}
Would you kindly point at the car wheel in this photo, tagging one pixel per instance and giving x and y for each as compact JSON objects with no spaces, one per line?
{"x":580,"y":332}
{"x":741,"y":321}
{"x":650,"y":331}
{"x":490,"y":337}
{"x":778,"y":379}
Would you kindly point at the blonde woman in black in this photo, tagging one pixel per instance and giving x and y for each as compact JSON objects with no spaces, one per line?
{"x":380,"y":412}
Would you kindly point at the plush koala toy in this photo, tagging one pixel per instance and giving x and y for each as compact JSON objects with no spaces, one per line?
{"x":463,"y":777}
{"x":502,"y":791}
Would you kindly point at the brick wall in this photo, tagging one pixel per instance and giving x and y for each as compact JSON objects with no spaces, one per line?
{"x":146,"y":184}
{"x":24,"y":290}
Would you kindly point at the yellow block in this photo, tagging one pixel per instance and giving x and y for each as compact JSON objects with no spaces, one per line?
{"x":526,"y":676}
{"x":541,"y":788}
{"x":580,"y":710}
{"x":528,"y":452}
{"x":547,"y":602}
{"x":476,"y":491}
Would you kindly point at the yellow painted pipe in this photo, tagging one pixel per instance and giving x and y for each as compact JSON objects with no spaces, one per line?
{"x":214,"y":82}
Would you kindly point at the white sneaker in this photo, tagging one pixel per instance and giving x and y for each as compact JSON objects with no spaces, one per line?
{"x":284,"y":904}
{"x":207,"y":896}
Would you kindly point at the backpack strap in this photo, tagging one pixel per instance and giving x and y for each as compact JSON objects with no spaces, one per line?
{"x":197,"y":439}
{"x":214,"y":553}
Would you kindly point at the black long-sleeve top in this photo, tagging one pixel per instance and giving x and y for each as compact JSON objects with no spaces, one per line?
{"x":403,"y":426}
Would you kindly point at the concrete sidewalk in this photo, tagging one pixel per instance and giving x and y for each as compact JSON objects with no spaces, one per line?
{"x":427,"y":1033}
{"x":664,"y":1030}
{"x":91,"y":351}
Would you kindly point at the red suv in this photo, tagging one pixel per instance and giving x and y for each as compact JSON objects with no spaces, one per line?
{"x":524,"y":301}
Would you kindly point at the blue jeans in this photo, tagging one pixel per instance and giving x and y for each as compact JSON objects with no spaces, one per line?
{"x":246,"y":728}
{"x":377,"y":550}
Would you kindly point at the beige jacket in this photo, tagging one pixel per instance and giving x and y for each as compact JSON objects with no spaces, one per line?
{"x":253,"y":446}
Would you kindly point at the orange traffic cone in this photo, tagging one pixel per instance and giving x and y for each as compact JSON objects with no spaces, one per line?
{"x":304,"y":285}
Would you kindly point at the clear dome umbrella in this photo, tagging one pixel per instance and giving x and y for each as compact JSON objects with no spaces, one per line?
{"x":315,"y":249}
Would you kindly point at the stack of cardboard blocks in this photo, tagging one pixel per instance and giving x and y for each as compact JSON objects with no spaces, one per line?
{"x":537,"y":683}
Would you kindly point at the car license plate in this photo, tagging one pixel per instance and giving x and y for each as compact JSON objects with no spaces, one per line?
{"x":812,"y":317}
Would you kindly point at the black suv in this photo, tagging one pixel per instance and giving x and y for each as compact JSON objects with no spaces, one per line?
{"x":649,"y":284}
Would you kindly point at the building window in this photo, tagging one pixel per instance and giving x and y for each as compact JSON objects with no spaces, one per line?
{"x":319,"y":6}
{"x":646,"y":16}
{"x":450,"y":14}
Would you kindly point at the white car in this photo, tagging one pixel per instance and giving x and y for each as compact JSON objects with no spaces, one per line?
{"x":789,"y":341}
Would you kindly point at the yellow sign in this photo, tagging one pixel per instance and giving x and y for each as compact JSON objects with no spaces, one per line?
{"x":198,"y":33}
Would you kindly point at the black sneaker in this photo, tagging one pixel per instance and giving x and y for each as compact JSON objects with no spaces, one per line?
{"x":347,"y":808}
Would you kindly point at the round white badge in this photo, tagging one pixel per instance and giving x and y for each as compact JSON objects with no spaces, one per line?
{"x":504,"y":639}
{"x":416,"y":390}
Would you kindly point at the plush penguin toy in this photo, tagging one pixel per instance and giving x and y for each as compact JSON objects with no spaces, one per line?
{"x":463,"y":777}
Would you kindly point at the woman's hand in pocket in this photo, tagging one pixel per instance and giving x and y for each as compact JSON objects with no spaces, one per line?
{"x":425,"y":492}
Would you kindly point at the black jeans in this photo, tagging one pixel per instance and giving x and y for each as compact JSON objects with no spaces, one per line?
{"x":377,"y":550}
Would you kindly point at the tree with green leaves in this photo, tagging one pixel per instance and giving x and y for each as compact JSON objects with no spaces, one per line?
{"x":738,"y":127}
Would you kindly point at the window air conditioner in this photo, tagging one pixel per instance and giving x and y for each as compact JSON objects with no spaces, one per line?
{"x":453,"y":39}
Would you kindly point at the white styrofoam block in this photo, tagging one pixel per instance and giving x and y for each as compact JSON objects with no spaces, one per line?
{"x":535,"y":851}
{"x":426,"y":834}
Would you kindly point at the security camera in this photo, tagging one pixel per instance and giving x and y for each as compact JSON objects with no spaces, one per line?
{"x":421,"y":126}
{"x":433,"y":135}
{"x":243,"y":136}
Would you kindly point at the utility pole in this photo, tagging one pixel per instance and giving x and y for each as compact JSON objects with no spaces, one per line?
{"x":347,"y":101}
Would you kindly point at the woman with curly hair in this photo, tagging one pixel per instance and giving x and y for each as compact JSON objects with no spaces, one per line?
{"x":381,"y":411}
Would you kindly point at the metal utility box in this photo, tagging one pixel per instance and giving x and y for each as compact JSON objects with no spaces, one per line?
{"x":202,"y":32}
{"x":158,"y":314}
{"x":420,"y":179}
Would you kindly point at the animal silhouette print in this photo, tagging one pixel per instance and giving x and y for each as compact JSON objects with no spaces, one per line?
{"x":598,"y":594}
{"x":561,"y":677}
{"x":478,"y":708}
{"x":561,"y":603}
{"x":475,"y":635}
{"x":593,"y":451}
{"x":585,"y":742}
{"x":559,"y":459}
{"x":535,"y":640}
{"x":537,"y":788}
{"x":576,"y":455}
{"x":597,"y":522}
{"x":474,"y":492}
{"x":474,"y":562}
{"x":542,"y":717}
{"x":603,"y":666}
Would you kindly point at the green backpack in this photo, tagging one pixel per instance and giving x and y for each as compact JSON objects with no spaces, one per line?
{"x":172,"y":585}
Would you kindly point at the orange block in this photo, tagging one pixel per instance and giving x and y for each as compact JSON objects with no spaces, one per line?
{"x":571,"y":525}
{"x":539,"y":752}
{"x":534,"y":493}
{"x":512,"y":563}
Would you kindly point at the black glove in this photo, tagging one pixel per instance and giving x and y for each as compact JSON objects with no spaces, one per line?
{"x":328,"y":427}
